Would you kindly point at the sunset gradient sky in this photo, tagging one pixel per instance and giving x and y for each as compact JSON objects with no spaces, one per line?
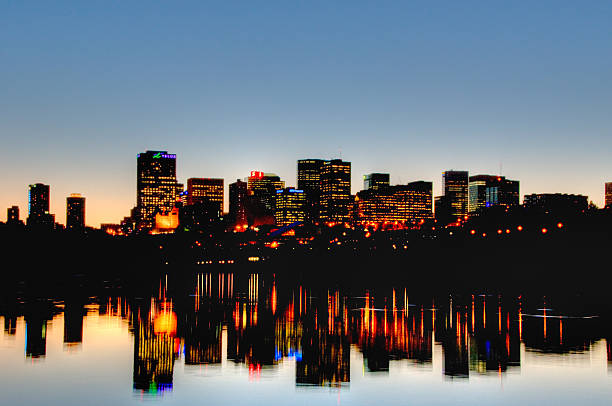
{"x":410,"y":88}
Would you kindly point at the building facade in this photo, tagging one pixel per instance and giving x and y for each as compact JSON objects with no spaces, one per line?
{"x":309,"y":180}
{"x":399,"y":203}
{"x":262,"y":188}
{"x":375,"y":181}
{"x":455,"y":186}
{"x":205,"y":190}
{"x":491,"y":190}
{"x":75,"y":212}
{"x":290,"y":206}
{"x":157,"y":188}
{"x":336,"y":202}
{"x":608,"y":197}
{"x":38,"y":206}
{"x":238,"y":203}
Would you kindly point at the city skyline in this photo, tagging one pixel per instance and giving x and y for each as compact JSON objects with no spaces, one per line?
{"x":438,"y":190}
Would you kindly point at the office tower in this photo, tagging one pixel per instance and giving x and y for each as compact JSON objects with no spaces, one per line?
{"x":75,"y":212}
{"x":12,"y":215}
{"x":238,"y":203}
{"x":375,"y":181}
{"x":309,"y":180}
{"x":556,"y":203}
{"x":290,"y":206}
{"x":157,"y":188}
{"x":399,"y":203}
{"x":608,"y":202}
{"x":205,"y":190}
{"x":38,"y":207}
{"x":491,"y":190}
{"x":455,"y":186}
{"x":336,"y":199}
{"x":262,"y":187}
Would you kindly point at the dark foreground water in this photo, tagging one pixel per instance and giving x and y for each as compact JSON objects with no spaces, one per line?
{"x":226,"y":339}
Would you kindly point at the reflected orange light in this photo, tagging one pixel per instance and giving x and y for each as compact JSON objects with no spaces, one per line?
{"x":520,"y":228}
{"x":559,"y":225}
{"x":544,"y":231}
{"x":165,"y":323}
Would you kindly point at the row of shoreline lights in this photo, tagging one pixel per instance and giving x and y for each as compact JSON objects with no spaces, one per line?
{"x":544,"y":230}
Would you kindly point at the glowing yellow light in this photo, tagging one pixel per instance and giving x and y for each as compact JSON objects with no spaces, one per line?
{"x":544,"y":231}
{"x":520,"y":228}
{"x":559,"y":225}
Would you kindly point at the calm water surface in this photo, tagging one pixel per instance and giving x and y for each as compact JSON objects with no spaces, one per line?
{"x":228,"y":339}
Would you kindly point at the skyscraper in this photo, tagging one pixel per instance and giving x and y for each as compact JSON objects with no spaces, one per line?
{"x":491,"y":190}
{"x":375,"y":181}
{"x":290,"y":206}
{"x":157,"y":188}
{"x":336,"y":199}
{"x":205,"y":190}
{"x":608,"y":194}
{"x":238,"y":203}
{"x":262,"y":187}
{"x":455,"y":186}
{"x":38,"y":207}
{"x":309,"y":180}
{"x":75,"y":212}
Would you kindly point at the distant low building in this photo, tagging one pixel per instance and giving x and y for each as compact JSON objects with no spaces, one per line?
{"x":556,"y":202}
{"x":12,"y":215}
{"x":608,"y":198}
{"x":400,"y":203}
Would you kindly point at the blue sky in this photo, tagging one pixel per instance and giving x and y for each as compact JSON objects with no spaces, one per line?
{"x":409,"y":88}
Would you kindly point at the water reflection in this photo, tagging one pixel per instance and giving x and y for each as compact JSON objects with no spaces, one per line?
{"x":256,"y":323}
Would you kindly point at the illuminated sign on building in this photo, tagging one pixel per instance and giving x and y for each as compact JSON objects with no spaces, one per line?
{"x":257,"y":174}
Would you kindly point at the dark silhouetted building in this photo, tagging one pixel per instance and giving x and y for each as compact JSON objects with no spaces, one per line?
{"x":608,"y":199}
{"x":490,"y":191}
{"x":38,"y":207}
{"x":556,"y":203}
{"x":455,"y":186}
{"x":375,"y":181}
{"x":336,"y":201}
{"x":75,"y":212}
{"x":290,"y":206}
{"x":262,"y":188}
{"x":12,"y":215}
{"x":157,"y":188}
{"x":400,"y":203}
{"x":309,"y":180}
{"x":238,"y":203}
{"x":205,"y":190}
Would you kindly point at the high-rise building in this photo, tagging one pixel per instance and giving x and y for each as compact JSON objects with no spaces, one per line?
{"x":556,"y":202}
{"x":205,"y":190}
{"x":455,"y":186}
{"x":38,"y":207}
{"x":157,"y":188}
{"x":290,"y":206}
{"x":75,"y":212}
{"x":238,"y":203}
{"x":336,"y":199}
{"x":12,"y":215}
{"x":375,"y":181}
{"x":608,"y":201}
{"x":491,"y":190}
{"x":400,"y":203}
{"x":309,"y":180}
{"x":262,"y":187}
